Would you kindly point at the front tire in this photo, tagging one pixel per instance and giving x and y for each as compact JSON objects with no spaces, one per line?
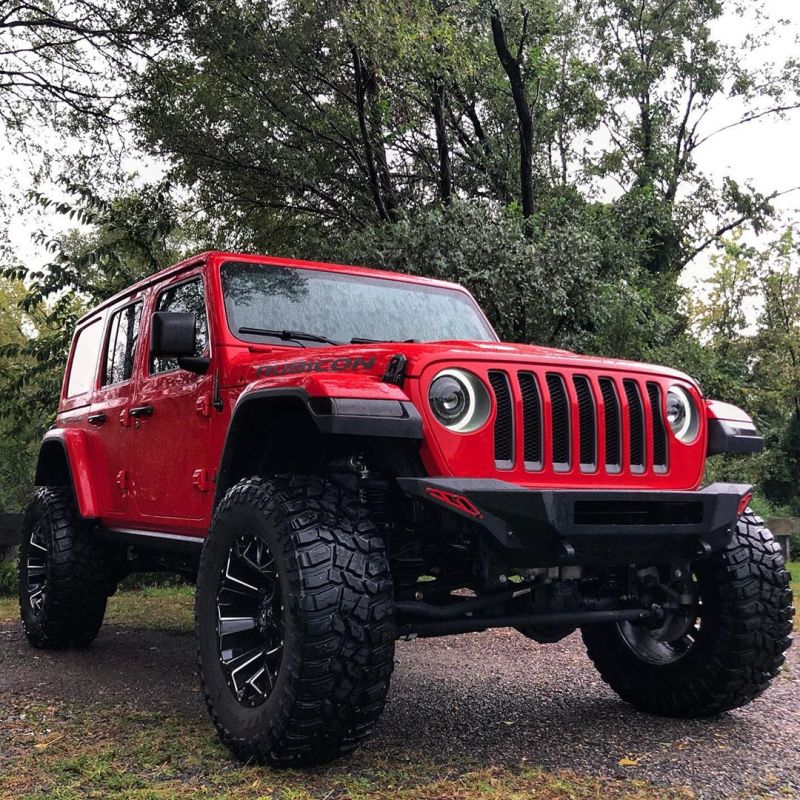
{"x":64,"y":573}
{"x":294,"y":619}
{"x":729,"y":657}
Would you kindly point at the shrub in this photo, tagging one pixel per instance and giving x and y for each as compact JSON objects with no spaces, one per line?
{"x":8,"y":578}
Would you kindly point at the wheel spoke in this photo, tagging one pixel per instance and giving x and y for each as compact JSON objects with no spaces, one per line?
{"x":250,"y":620}
{"x":239,"y":583}
{"x":251,"y":662}
{"x":229,"y":625}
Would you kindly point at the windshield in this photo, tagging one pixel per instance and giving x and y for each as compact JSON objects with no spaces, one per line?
{"x":343,"y":307}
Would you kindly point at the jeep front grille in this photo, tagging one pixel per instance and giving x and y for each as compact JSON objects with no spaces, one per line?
{"x":580,"y":421}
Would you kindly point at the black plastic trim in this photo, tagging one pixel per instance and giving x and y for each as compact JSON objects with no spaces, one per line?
{"x":158,"y":540}
{"x":556,"y":522}
{"x":725,"y":436}
{"x":391,"y":419}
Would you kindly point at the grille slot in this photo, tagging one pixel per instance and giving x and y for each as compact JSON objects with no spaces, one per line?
{"x":587,"y":423}
{"x":636,"y":425}
{"x":659,"y":429}
{"x":613,"y":438}
{"x":548,"y":421}
{"x":504,"y":422}
{"x":531,"y":421}
{"x":559,"y":422}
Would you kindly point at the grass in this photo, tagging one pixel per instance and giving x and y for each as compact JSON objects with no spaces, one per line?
{"x":150,"y":607}
{"x":68,"y":751}
{"x":71,"y":753}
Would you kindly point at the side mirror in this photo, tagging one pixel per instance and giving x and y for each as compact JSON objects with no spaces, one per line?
{"x":172,"y":335}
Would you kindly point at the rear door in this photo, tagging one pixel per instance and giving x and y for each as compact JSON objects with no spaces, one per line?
{"x":173,"y":408}
{"x":108,"y":417}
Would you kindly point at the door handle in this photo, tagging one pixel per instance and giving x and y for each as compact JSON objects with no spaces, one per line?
{"x":142,"y":411}
{"x":96,"y":419}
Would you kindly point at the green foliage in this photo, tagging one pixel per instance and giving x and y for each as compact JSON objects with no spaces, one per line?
{"x":8,"y":578}
{"x":564,"y":284}
{"x":750,"y":324}
{"x":123,"y":239}
{"x":468,"y":140}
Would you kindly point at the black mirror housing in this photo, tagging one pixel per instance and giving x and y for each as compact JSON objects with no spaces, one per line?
{"x":172,"y":334}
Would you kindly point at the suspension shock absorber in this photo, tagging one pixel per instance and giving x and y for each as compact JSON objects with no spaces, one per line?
{"x":373,"y":491}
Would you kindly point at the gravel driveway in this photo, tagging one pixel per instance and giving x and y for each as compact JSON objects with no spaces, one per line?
{"x":491,"y":698}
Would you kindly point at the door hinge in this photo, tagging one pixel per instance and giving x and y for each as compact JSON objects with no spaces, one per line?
{"x":203,"y":405}
{"x":200,"y":480}
{"x":123,"y":480}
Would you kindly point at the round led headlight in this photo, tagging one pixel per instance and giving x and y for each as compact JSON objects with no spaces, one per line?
{"x":682,"y":414}
{"x":459,"y":400}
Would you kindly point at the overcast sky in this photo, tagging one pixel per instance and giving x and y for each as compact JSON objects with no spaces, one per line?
{"x":764,"y":152}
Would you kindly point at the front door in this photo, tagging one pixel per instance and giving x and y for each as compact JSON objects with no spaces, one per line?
{"x":171,"y":415}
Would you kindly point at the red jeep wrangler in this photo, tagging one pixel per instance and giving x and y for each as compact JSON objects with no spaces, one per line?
{"x":342,"y":457}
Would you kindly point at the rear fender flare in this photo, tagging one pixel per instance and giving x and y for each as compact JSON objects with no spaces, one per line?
{"x":64,"y":460}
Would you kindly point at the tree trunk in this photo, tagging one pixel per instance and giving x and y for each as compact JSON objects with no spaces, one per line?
{"x":513,"y":70}
{"x":442,"y":148}
{"x":366,"y":89}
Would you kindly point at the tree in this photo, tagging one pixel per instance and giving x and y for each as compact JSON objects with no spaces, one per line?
{"x":124,"y":238}
{"x":750,"y":320}
{"x":18,"y":432}
{"x":662,"y":70}
{"x":72,"y":57}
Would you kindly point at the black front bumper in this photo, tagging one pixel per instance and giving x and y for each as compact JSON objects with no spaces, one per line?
{"x":543,"y":526}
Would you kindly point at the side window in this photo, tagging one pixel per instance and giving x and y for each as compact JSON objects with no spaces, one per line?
{"x":185,"y":297}
{"x":84,"y":359}
{"x":123,"y":333}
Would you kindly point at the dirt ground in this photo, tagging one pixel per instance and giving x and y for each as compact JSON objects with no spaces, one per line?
{"x":484,"y":699}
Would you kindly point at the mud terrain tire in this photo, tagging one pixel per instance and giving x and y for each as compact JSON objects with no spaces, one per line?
{"x":746,"y":624}
{"x":336,"y":626}
{"x":65,"y":574}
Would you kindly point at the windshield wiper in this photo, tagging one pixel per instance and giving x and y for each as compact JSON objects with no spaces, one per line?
{"x":299,"y":336}
{"x":361,"y":340}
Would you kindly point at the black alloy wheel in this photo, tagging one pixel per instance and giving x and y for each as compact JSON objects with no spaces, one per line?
{"x":36,"y":568}
{"x":250,"y":625}
{"x":294,"y":616}
{"x":723,"y":651}
{"x":65,"y":572}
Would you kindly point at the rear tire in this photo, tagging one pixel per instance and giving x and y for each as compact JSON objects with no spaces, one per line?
{"x":64,"y":573}
{"x":301,"y":673}
{"x":738,"y":648}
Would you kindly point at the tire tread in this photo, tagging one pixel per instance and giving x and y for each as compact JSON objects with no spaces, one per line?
{"x":754,"y":598}
{"x":342,"y":593}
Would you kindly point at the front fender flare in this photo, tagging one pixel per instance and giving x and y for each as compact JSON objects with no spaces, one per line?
{"x":365,"y":417}
{"x":730,"y":430}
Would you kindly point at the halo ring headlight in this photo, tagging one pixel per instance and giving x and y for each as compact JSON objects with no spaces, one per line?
{"x":682,"y":414}
{"x":459,"y":400}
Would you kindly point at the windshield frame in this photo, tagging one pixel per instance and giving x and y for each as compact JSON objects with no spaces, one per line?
{"x":354,"y":274}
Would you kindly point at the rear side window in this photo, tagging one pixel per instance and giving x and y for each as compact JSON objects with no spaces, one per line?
{"x":123,"y":334}
{"x":84,"y":359}
{"x":187,"y":296}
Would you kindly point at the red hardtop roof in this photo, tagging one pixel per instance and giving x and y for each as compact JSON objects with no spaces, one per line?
{"x":217,"y":256}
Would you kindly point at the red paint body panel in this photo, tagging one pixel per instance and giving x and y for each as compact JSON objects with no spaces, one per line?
{"x":82,"y":468}
{"x":156,"y":472}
